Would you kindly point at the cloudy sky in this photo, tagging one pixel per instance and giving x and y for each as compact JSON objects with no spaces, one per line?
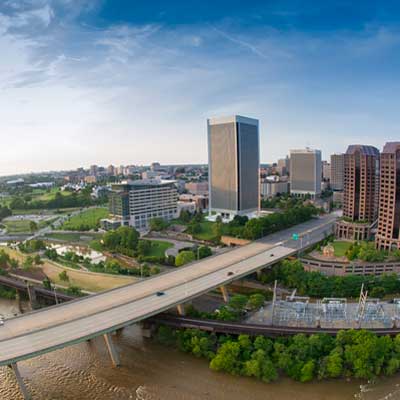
{"x":132,"y":81}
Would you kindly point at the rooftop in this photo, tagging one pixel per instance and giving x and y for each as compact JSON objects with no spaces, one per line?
{"x":363,"y":149}
{"x":391,"y":147}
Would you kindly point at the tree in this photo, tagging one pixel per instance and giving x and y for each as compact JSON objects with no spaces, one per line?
{"x":378,"y":292}
{"x":5,"y":212}
{"x":144,"y":247}
{"x":238,"y":302}
{"x":158,"y":224}
{"x":256,"y":301}
{"x":184,"y":257}
{"x":227,"y":358}
{"x":46,"y":283}
{"x":37,"y":260}
{"x":307,"y":371}
{"x":28,"y":263}
{"x":33,"y":226}
{"x":204,"y":251}
{"x":185,"y":216}
{"x":63,"y":276}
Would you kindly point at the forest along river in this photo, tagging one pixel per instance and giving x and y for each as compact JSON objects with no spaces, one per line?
{"x":151,"y":371}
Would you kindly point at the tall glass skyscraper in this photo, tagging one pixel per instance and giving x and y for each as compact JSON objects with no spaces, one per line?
{"x":233,"y":162}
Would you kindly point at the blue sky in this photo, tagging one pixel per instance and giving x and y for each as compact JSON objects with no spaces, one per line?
{"x":119,"y":81}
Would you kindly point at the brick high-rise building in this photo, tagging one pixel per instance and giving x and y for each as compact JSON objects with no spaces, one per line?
{"x":388,"y":235}
{"x":361,"y":190}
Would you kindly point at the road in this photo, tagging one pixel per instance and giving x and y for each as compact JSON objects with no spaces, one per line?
{"x":45,"y":330}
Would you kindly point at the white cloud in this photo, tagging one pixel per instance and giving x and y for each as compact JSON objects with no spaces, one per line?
{"x":73,"y":95}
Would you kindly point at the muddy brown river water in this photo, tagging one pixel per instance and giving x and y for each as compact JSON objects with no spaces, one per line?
{"x":153,"y":372}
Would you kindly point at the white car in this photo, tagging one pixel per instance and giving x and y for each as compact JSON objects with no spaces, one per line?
{"x":2,"y":319}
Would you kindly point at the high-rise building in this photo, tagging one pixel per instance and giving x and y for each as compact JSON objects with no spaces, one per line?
{"x":135,"y":203}
{"x":388,"y":234}
{"x":283,"y":166}
{"x":94,"y":170}
{"x":111,"y":170}
{"x":234,"y":162}
{"x":337,"y":171}
{"x":305,"y":172}
{"x":326,"y":171}
{"x":361,"y":190}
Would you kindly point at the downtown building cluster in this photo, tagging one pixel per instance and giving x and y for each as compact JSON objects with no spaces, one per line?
{"x":371,"y":195}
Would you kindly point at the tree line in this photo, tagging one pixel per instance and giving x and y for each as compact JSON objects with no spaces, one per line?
{"x":352,"y":353}
{"x":291,"y":274}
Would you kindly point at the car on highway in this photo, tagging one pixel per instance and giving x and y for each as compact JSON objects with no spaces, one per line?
{"x":230,"y":273}
{"x":160,"y":294}
{"x":271,"y":255}
{"x":2,"y":319}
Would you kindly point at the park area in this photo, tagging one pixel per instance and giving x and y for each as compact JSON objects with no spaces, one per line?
{"x":27,"y":223}
{"x":86,"y":220}
{"x":341,"y":247}
{"x":86,"y":280}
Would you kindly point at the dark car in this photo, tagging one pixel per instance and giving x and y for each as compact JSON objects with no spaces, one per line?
{"x":271,"y":255}
{"x":160,"y":294}
{"x":230,"y":273}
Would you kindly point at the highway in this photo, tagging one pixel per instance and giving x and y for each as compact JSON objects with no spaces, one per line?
{"x":55,"y":327}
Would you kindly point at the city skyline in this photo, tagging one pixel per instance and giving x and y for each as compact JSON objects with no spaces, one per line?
{"x":88,"y":83}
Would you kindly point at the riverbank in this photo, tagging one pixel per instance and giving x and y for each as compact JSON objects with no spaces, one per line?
{"x":358,"y":354}
{"x":151,"y":371}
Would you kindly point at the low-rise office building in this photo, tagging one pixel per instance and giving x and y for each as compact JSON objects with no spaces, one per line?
{"x":305,"y":172}
{"x":273,"y":187}
{"x":135,"y":203}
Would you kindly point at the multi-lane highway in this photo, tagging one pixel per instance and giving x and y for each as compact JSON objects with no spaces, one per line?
{"x":55,"y":327}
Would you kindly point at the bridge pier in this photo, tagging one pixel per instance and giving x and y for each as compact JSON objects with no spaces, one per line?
{"x":23,"y":389}
{"x":225,"y":294}
{"x":111,"y":350}
{"x":181,"y":309}
{"x":18,"y":298}
{"x":32,"y":297}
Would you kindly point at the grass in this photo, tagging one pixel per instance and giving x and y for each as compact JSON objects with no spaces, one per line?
{"x":86,"y":220}
{"x":42,"y":195}
{"x":71,"y":237}
{"x":341,"y":248}
{"x":158,"y":248}
{"x":86,"y":281}
{"x":206,"y":232}
{"x":15,"y":227}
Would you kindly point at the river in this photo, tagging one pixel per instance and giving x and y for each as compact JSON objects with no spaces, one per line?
{"x":153,"y":372}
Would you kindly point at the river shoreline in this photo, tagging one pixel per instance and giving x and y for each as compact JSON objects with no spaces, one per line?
{"x":151,"y":371}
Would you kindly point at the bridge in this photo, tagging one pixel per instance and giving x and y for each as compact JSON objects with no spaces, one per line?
{"x":236,"y":328}
{"x":56,"y":327}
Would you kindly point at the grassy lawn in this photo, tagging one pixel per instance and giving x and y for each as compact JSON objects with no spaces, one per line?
{"x":158,"y":248}
{"x":15,"y":227}
{"x":341,"y":248}
{"x":206,"y":232}
{"x":34,"y":211}
{"x":87,"y":219}
{"x":45,"y":196}
{"x":71,"y":237}
{"x":86,"y":281}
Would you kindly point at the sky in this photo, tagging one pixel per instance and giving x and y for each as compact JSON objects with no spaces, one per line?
{"x":131,"y":82}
